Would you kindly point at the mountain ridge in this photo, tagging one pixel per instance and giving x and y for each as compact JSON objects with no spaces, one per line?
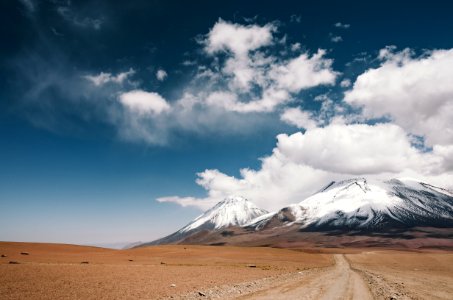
{"x":353,"y":205}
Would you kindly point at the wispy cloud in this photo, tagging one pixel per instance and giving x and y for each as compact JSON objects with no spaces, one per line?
{"x":80,"y":21}
{"x":342,"y":25}
{"x":103,"y":78}
{"x":29,"y":5}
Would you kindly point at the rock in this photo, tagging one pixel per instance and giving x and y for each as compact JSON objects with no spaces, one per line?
{"x":172,"y":285}
{"x":84,"y":262}
{"x":131,"y":260}
{"x":12,"y":262}
{"x":3,"y":255}
{"x":162,"y":263}
{"x":201,"y":294}
{"x":251,"y":266}
{"x":25,"y":253}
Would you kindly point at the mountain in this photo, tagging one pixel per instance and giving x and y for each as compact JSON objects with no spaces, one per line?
{"x":357,"y":204}
{"x":233,"y":211}
{"x":355,"y":212}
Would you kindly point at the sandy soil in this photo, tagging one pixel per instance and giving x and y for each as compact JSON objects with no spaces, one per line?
{"x":406,"y":275}
{"x":52,"y":271}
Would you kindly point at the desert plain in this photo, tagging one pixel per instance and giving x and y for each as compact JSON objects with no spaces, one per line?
{"x":58,"y":271}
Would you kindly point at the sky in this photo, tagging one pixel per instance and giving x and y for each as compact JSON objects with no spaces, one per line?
{"x":122,"y":121}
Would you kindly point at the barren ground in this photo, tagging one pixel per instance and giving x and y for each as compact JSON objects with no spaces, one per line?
{"x":52,"y":271}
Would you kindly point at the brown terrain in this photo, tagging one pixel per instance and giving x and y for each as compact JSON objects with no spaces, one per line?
{"x":55,"y":271}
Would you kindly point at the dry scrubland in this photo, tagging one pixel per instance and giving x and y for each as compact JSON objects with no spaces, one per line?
{"x":52,"y":271}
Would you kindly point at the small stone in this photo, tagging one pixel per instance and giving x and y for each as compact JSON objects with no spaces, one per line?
{"x":201,"y":294}
{"x":131,"y":260}
{"x":84,"y":262}
{"x":25,"y":253}
{"x":162,"y":263}
{"x":251,"y":266}
{"x":172,"y":285}
{"x":12,"y":262}
{"x":3,"y":255}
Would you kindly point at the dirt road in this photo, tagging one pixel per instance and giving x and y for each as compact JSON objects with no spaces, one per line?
{"x":337,"y":282}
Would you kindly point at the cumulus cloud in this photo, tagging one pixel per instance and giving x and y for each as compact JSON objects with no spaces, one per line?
{"x":103,"y":78}
{"x":414,"y":92}
{"x":238,"y":39}
{"x":144,"y":103}
{"x":255,"y":79}
{"x":352,"y":149}
{"x":302,"y":162}
{"x":161,"y":75}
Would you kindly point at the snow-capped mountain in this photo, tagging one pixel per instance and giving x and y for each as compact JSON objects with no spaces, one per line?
{"x":360,"y":204}
{"x":233,"y":211}
{"x":334,"y":215}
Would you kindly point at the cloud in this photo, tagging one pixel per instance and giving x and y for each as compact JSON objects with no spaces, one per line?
{"x":298,"y":118}
{"x":161,"y":75}
{"x":67,"y":13}
{"x":295,"y":19}
{"x":342,"y":25}
{"x":304,"y":72}
{"x":237,"y":39}
{"x":144,"y":103}
{"x":414,"y":92}
{"x":103,"y":78}
{"x":336,"y":39}
{"x":345,"y":83}
{"x":302,"y":162}
{"x":352,"y":149}
{"x":254,"y":78}
{"x":188,"y":201}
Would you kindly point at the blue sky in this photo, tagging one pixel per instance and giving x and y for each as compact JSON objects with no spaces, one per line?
{"x":122,"y":121}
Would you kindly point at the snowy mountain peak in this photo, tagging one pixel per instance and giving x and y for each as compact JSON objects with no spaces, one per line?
{"x":361,"y":203}
{"x":233,"y":211}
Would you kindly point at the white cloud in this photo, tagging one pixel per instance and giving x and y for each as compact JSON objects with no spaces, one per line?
{"x":299,"y":118}
{"x":345,"y":83}
{"x":188,"y":201}
{"x":103,"y":78}
{"x":144,"y":103}
{"x":342,"y":25}
{"x":304,"y":72}
{"x":301,"y":163}
{"x":336,"y":39}
{"x":255,"y":80}
{"x":352,"y":149}
{"x":161,"y":75}
{"x":295,"y":47}
{"x":414,"y":92}
{"x":237,"y":39}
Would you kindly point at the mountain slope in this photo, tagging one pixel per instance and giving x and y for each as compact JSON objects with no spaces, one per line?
{"x":233,"y":211}
{"x":357,"y":204}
